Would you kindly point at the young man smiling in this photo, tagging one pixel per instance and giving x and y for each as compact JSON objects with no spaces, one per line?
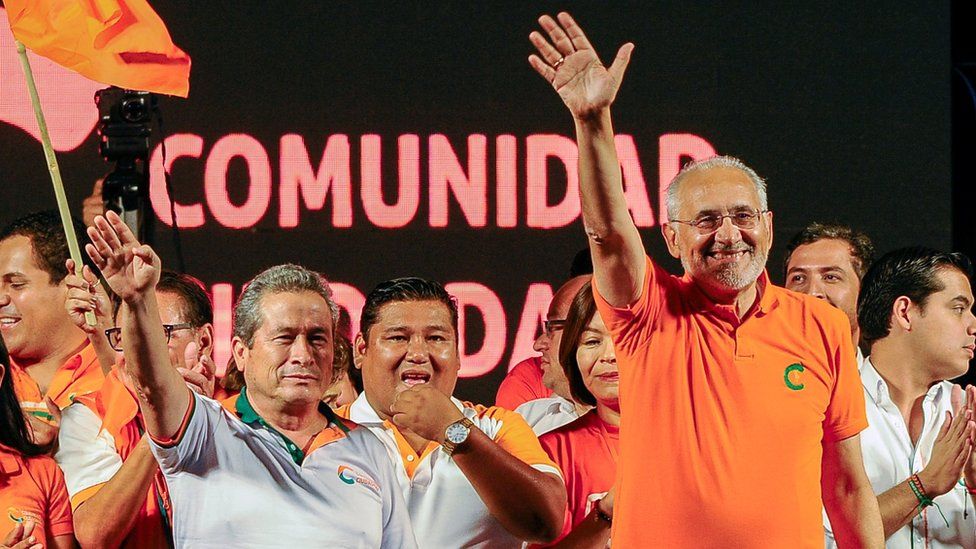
{"x":471,"y":476}
{"x":916,"y":317}
{"x":52,"y":361}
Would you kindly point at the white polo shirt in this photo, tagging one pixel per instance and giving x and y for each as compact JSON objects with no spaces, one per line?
{"x":890,"y":458}
{"x":547,"y":414}
{"x":236,"y":482}
{"x":445,"y":509}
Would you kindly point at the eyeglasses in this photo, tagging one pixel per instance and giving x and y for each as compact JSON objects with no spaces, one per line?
{"x":114,"y":335}
{"x":707,"y":224}
{"x":550,"y":326}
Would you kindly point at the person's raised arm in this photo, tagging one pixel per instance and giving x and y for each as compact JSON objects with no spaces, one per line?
{"x":568,"y":62}
{"x":132,"y":271}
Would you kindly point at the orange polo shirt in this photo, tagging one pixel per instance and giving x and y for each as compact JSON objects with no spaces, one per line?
{"x":121,"y":426}
{"x":722,"y":420}
{"x":80,"y":375}
{"x":33,"y":489}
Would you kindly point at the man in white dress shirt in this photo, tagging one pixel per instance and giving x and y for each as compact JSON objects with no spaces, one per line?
{"x":915,"y":315}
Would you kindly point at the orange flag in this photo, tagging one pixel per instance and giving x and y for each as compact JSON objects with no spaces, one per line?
{"x":118,"y":42}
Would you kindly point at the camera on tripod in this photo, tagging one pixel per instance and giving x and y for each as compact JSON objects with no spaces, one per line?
{"x":124,"y":129}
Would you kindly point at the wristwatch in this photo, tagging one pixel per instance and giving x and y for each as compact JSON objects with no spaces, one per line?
{"x":455,"y":434}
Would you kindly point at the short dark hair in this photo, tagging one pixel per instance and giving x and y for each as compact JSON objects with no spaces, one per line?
{"x":14,"y":432}
{"x":404,"y":289}
{"x":48,"y":241}
{"x":909,"y":272}
{"x":197,"y":304}
{"x":581,"y":312}
{"x":862,"y":249}
{"x":582,"y":264}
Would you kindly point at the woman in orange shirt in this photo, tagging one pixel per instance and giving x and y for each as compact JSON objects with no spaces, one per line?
{"x":34,"y":508}
{"x":586,"y":449}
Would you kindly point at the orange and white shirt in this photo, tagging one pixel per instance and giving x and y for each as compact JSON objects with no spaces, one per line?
{"x":235,"y":481}
{"x":444,"y":508}
{"x":723,"y":419}
{"x":98,"y":433}
{"x":80,"y":375}
{"x":32,"y":488}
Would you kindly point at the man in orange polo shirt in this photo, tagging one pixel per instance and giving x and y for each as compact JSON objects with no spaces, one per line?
{"x":740,"y":404}
{"x":118,"y":496}
{"x":52,"y":361}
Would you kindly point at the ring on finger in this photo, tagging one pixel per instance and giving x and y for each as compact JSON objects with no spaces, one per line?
{"x":558,"y":63}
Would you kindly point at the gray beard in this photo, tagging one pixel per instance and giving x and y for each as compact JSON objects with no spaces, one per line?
{"x":730,"y":278}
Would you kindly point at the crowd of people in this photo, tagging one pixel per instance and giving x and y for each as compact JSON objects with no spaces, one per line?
{"x":710,"y":409}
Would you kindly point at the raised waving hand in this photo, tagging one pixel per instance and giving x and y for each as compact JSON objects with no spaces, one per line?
{"x":567,"y":60}
{"x":130,"y":269}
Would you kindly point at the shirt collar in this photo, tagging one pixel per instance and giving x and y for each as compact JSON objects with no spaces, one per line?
{"x":119,"y":402}
{"x":768,"y":298}
{"x":246,"y":412}
{"x":9,"y":461}
{"x":877,"y":388}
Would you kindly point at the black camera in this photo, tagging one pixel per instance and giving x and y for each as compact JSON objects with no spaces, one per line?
{"x":124,"y":129}
{"x":125,"y":118}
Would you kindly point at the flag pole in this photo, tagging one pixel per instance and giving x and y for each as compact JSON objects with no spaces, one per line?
{"x":52,"y":166}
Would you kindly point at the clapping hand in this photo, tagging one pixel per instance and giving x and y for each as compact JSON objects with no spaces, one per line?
{"x":198,"y":371}
{"x":952,"y":449}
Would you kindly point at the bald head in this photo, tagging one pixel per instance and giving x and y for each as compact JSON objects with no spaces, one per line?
{"x":559,"y":306}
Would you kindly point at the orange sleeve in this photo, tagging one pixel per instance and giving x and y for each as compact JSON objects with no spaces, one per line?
{"x":846,"y":415}
{"x":517,"y":438}
{"x":633,"y":324}
{"x":522,"y":384}
{"x":58,"y":505}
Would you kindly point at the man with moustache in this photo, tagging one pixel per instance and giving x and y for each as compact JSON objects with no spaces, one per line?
{"x":740,"y":405}
{"x":273,"y":466}
{"x":828,"y":261}
{"x":916,"y":318}
{"x":472,"y":476}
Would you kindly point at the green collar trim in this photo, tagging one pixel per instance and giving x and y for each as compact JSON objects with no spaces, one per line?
{"x":249,"y":415}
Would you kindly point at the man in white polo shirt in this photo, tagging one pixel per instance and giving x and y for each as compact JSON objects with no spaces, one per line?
{"x":915,"y":314}
{"x":472,"y":476}
{"x":278,"y":468}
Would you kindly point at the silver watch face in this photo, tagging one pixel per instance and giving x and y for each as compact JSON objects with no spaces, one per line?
{"x":456,"y":433}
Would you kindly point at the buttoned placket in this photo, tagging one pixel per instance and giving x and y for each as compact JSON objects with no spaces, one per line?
{"x":916,"y":459}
